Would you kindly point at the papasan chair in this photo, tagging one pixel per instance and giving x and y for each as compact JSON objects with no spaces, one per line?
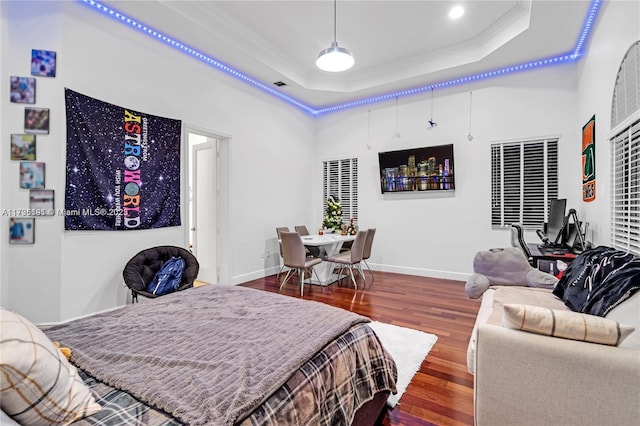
{"x":142,"y":267}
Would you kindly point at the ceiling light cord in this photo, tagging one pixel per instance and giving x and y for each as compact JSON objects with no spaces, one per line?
{"x":432,"y":123}
{"x":397,"y":134}
{"x":335,"y":21}
{"x":335,"y":58}
{"x":369,"y":129}
{"x":470,"y":136}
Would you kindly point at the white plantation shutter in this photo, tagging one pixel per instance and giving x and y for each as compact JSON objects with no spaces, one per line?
{"x":625,"y":154}
{"x":625,"y":187}
{"x":626,"y":92}
{"x":341,"y":181}
{"x":524,"y":178}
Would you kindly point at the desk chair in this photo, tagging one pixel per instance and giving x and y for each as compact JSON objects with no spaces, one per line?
{"x":295,"y":258}
{"x":352,"y":257}
{"x":517,"y":240}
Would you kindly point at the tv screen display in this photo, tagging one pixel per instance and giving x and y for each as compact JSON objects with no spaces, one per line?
{"x":420,"y":169}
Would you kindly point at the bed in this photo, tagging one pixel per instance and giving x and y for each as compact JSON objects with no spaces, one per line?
{"x":228,"y":355}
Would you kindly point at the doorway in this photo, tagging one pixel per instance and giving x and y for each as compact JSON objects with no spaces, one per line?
{"x":207,"y":193}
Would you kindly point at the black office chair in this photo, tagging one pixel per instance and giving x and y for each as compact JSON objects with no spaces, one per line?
{"x":517,"y":240}
{"x":141,"y":268}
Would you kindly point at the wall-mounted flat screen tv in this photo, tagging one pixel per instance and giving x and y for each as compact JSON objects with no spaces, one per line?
{"x":429,"y":168}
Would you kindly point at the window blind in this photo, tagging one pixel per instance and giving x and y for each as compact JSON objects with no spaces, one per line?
{"x":341,"y":181}
{"x":524,"y":177}
{"x":625,"y":188}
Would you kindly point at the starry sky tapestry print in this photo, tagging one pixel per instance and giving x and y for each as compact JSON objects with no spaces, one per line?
{"x":123,"y":167}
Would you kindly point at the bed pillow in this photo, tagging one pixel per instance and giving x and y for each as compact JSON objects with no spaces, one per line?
{"x":565,"y":324}
{"x":37,"y":383}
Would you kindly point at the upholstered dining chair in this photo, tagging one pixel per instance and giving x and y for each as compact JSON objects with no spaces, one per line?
{"x":366,"y":253}
{"x":302,"y":231}
{"x":278,"y":231}
{"x":295,"y":258}
{"x":353,"y":257}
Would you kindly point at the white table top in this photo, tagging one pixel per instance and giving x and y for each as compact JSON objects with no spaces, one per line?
{"x":327,"y":239}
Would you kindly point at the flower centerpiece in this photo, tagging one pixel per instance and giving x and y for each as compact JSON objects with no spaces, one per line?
{"x":333,"y":216}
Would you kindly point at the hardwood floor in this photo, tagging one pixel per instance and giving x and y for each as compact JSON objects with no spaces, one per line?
{"x":441,"y":393}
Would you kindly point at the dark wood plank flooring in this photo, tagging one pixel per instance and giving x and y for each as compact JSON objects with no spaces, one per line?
{"x":441,"y":393}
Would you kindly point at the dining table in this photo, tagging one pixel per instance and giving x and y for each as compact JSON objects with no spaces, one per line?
{"x":329,"y":245}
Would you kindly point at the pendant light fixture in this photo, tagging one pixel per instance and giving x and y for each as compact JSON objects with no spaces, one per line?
{"x":335,"y":58}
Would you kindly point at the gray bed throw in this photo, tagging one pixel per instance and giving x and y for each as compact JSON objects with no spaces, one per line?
{"x":207,"y":355}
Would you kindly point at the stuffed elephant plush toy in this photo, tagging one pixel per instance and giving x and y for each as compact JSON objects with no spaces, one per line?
{"x":504,"y":266}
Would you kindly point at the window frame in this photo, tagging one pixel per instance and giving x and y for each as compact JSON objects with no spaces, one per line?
{"x":340,"y":179}
{"x":513,"y":166}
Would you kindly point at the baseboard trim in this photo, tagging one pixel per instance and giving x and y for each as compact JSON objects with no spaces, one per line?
{"x":420,"y":272}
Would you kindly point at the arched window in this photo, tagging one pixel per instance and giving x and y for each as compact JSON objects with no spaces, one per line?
{"x":625,"y":154}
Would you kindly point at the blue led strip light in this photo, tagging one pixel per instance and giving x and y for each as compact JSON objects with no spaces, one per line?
{"x":447,"y":83}
{"x":556,"y":60}
{"x":198,"y":55}
{"x":586,"y":27}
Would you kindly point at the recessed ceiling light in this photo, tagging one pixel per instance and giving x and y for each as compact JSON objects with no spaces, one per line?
{"x":456,"y":12}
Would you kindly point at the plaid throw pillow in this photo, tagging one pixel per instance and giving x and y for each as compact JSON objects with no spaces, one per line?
{"x":38,"y":386}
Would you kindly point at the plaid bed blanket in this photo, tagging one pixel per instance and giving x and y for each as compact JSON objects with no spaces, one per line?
{"x":326,"y":390}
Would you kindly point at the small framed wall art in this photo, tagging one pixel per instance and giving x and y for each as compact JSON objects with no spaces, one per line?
{"x":43,"y":63}
{"x":23,"y":90}
{"x":23,"y":147}
{"x":22,"y":230}
{"x":42,"y":200}
{"x":31,"y":175}
{"x":36,"y":120}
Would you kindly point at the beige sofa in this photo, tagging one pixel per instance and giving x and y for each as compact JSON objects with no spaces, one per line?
{"x":523,"y":378}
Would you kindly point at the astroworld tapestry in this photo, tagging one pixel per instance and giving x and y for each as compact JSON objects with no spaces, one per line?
{"x":123,"y":167}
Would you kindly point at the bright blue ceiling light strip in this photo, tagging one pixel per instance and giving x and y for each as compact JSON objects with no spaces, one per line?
{"x":564,"y":58}
{"x":198,"y":55}
{"x":447,"y":83}
{"x":586,"y":27}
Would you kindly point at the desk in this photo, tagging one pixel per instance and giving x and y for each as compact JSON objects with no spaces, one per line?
{"x":329,"y":245}
{"x":548,"y":253}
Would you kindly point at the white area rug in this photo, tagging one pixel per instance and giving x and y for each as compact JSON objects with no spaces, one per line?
{"x":408,"y":348}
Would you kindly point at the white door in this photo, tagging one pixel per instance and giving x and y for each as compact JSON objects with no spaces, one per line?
{"x":204,"y":221}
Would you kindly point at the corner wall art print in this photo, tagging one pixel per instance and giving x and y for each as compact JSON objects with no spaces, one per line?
{"x":589,"y":160}
{"x":123,"y":167}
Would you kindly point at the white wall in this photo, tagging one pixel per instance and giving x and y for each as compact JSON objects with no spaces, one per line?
{"x":67,"y":274}
{"x":597,"y":74}
{"x":438,"y":234}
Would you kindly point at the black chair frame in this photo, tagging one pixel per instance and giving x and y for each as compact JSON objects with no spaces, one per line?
{"x":142,"y":267}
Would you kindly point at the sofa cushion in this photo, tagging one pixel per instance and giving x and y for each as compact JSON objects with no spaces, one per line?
{"x":38,"y":385}
{"x":564,"y":324}
{"x":490,"y":311}
{"x":628,"y":312}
